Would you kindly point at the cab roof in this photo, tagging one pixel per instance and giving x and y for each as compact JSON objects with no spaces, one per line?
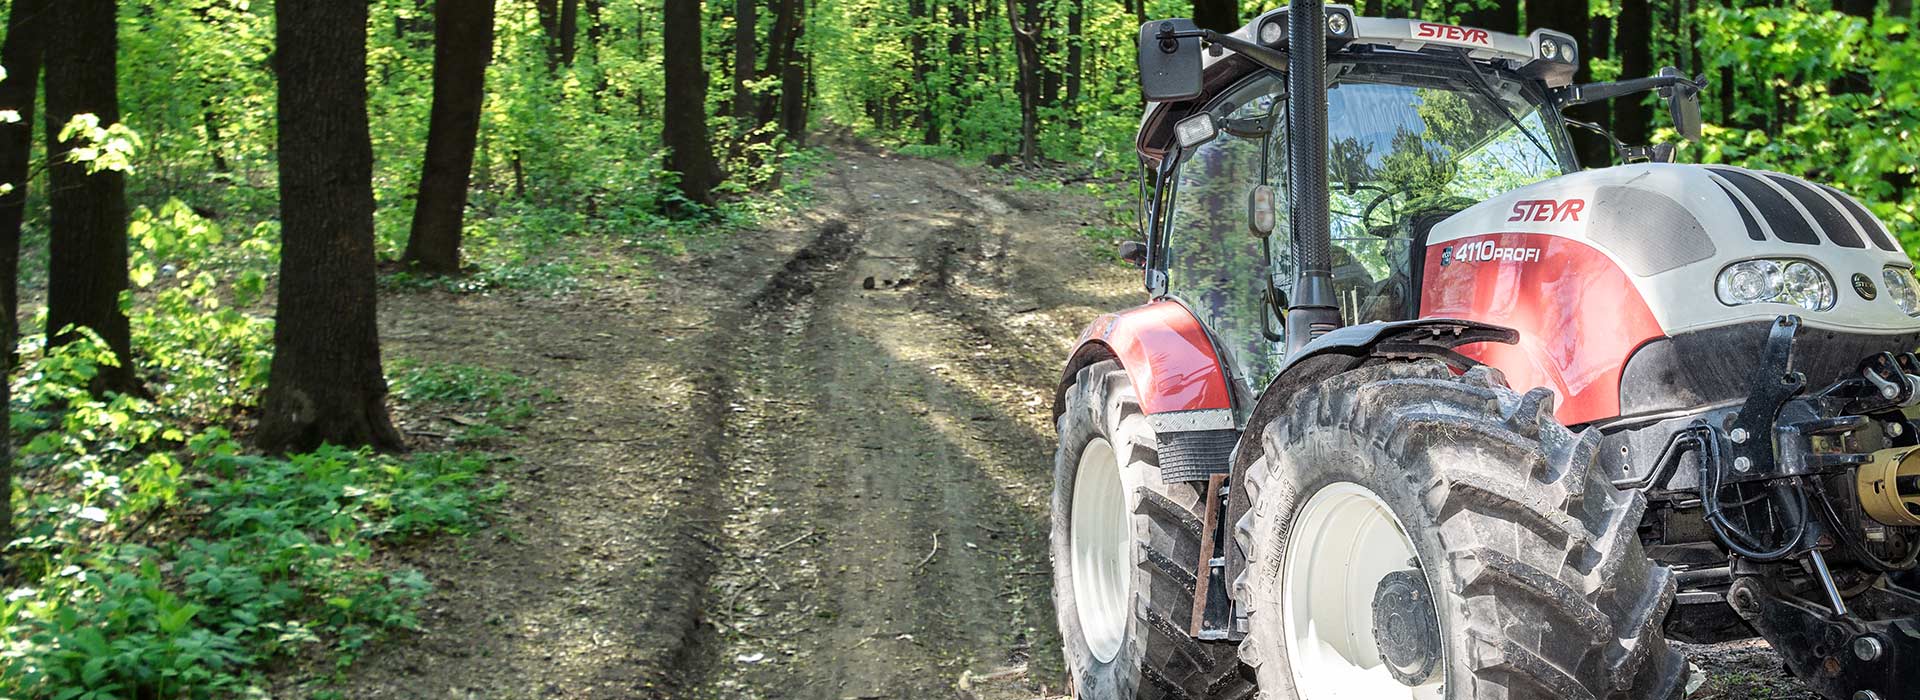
{"x":1220,"y":70}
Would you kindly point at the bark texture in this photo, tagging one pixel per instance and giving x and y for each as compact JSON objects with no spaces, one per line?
{"x":685,"y":120}
{"x":87,"y":247}
{"x":462,"y":47}
{"x":326,"y":384}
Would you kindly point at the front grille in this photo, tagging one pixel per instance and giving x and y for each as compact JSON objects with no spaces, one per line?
{"x":1788,"y":225}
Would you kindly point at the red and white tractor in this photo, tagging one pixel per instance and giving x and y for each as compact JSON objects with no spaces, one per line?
{"x":1419,"y":408}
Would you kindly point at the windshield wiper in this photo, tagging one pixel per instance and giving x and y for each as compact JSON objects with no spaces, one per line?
{"x":1484,"y":85}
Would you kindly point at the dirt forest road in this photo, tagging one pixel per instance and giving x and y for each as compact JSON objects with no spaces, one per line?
{"x":812,"y":461}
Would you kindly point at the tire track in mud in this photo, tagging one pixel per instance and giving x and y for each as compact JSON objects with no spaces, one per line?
{"x":698,"y":546}
{"x":884,"y":426}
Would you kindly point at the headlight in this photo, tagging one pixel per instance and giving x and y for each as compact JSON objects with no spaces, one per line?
{"x":1797,"y":282}
{"x":1900,"y":286}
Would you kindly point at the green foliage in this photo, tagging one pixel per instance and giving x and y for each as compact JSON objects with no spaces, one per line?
{"x":1798,"y":115}
{"x":159,"y":564}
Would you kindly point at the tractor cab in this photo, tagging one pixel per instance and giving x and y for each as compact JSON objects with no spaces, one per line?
{"x":1423,"y":121}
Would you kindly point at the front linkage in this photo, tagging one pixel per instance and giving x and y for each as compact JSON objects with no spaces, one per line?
{"x":1816,"y":495}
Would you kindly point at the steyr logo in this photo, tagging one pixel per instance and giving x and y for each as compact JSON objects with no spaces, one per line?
{"x":1548,"y":210}
{"x":1448,"y":32}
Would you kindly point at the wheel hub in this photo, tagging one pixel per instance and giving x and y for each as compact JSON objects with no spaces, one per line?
{"x":1404,"y":627}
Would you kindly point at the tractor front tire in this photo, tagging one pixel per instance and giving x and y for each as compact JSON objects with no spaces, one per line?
{"x":1417,"y":534}
{"x":1125,"y":547}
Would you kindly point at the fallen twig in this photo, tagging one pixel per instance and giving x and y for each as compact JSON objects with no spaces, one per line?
{"x":794,"y":541}
{"x":936,"y":550}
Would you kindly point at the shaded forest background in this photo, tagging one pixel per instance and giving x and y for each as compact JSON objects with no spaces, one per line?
{"x":201,"y":200}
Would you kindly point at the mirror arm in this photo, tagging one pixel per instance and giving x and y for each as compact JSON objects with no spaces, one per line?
{"x":1259,"y":54}
{"x":1572,"y":95}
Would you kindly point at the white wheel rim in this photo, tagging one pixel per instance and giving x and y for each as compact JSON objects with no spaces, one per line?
{"x":1343,"y":542}
{"x":1099,"y":539}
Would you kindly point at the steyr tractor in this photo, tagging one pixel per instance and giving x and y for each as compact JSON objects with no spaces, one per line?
{"x":1420,"y":408}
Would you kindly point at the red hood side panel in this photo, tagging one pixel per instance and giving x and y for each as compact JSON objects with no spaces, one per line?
{"x":1578,"y":314}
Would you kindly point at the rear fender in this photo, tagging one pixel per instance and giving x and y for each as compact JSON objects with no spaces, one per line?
{"x":1170,"y":359}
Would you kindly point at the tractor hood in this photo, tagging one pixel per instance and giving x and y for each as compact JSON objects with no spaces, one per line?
{"x":1672,"y":229}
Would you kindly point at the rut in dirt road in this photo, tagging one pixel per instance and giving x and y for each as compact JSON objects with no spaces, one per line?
{"x":765,"y":476}
{"x":893,"y":542}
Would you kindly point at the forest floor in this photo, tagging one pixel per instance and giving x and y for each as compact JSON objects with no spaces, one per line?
{"x":809,"y":461}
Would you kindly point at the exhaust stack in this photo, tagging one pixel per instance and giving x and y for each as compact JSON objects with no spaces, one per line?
{"x":1315,"y":308}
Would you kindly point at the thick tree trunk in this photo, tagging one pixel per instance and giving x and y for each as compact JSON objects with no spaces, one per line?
{"x":569,"y":30}
{"x":684,"y":123}
{"x":746,"y":31}
{"x":1217,"y":15}
{"x":28,"y":24}
{"x":326,"y":383}
{"x":1636,"y":61}
{"x":87,"y":247}
{"x":1027,"y":64}
{"x":462,"y":47}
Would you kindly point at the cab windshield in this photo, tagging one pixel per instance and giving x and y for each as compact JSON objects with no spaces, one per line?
{"x":1410,"y":142}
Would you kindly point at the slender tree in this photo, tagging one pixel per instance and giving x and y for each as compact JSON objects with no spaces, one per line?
{"x":746,"y":31}
{"x":1636,"y":61}
{"x":569,"y":30}
{"x":1026,"y":64}
{"x":462,"y":47}
{"x":1217,"y":15}
{"x":21,"y":55}
{"x":1497,"y":15}
{"x":326,"y":383}
{"x":685,"y":120}
{"x":794,"y":72}
{"x":87,"y":243}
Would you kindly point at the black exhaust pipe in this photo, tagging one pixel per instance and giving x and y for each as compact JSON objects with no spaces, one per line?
{"x":1315,"y":308}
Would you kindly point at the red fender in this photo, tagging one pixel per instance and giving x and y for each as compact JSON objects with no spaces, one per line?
{"x":1166,"y":352}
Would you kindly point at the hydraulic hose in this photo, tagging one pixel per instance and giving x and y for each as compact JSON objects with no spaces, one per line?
{"x":1736,"y":539}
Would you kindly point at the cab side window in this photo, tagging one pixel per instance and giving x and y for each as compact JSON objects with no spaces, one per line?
{"x":1214,"y":263}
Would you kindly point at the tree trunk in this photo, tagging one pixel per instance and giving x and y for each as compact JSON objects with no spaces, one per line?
{"x":21,"y":55}
{"x":211,"y":124}
{"x":569,"y":30}
{"x":549,"y":11}
{"x":922,"y":70}
{"x":1496,"y":15}
{"x":1636,"y":61}
{"x":793,"y":74}
{"x":326,"y":383}
{"x":462,"y":47}
{"x":746,"y":31}
{"x":684,"y":123}
{"x":87,"y":246}
{"x":28,"y":24}
{"x":1026,"y":65}
{"x":779,"y":37}
{"x":961,"y":27}
{"x":1076,"y":43}
{"x":1217,"y":15}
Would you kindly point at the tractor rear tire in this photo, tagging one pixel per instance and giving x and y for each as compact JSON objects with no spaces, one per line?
{"x":1525,"y":558}
{"x":1125,"y":547}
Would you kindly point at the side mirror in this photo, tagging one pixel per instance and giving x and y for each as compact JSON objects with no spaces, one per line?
{"x":1683,"y":102}
{"x":1169,"y":68}
{"x":1134,"y":252}
{"x":1260,"y":210}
